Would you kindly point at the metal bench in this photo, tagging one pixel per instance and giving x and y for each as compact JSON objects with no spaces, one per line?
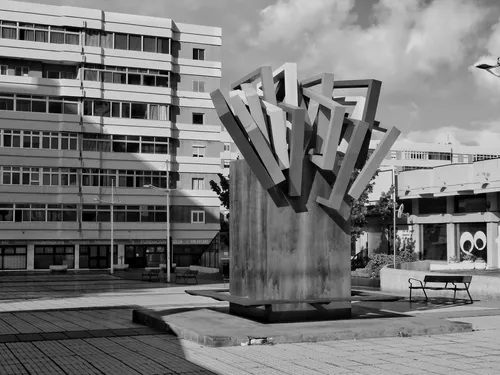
{"x":152,"y":273}
{"x":434,"y":280}
{"x":186,"y":275}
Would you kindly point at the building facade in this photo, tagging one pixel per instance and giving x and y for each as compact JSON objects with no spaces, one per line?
{"x":455,"y":211}
{"x":408,"y":156}
{"x":94,"y":106}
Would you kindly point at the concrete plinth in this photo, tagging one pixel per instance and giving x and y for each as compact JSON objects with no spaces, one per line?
{"x":286,"y":248}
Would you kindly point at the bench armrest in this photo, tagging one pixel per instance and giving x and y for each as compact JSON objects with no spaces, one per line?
{"x":417,"y":280}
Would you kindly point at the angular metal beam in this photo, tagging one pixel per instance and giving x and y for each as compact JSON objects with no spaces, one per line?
{"x":240,"y":139}
{"x":258,"y":140}
{"x":373,"y":163}
{"x":343,"y":177}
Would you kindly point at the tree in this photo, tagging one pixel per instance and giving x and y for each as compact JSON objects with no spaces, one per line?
{"x":222,"y":191}
{"x":384,"y":208}
{"x":359,"y":207}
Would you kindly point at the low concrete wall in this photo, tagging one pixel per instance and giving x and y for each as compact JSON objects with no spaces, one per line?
{"x":396,"y":281}
{"x":203,"y":269}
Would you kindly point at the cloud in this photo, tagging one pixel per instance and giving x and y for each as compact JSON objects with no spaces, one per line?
{"x":406,"y":39}
{"x":484,"y":134}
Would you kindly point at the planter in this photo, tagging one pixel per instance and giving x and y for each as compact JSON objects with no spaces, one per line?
{"x":58,"y":268}
{"x":480,"y":265}
{"x":454,"y":266}
{"x":467,"y":265}
{"x":120,"y":267}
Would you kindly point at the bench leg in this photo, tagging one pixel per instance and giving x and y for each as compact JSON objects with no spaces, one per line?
{"x":425,"y":294}
{"x":470,"y":297}
{"x":454,"y":294}
{"x":410,"y":294}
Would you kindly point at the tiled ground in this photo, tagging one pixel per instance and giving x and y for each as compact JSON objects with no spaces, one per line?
{"x":87,"y":340}
{"x":474,"y":353}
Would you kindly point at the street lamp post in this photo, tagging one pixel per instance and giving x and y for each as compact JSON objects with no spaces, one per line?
{"x":112,"y":203}
{"x":167,"y":191}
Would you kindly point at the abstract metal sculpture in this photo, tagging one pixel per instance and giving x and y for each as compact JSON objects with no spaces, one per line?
{"x":290,"y":242}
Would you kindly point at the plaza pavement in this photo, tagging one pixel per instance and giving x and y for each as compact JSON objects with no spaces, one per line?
{"x":39,"y":335}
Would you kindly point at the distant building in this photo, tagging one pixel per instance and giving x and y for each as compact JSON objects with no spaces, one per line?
{"x":455,"y":211}
{"x":408,"y":156}
{"x":89,"y":99}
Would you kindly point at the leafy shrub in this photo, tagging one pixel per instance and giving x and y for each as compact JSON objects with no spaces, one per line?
{"x":378,"y":261}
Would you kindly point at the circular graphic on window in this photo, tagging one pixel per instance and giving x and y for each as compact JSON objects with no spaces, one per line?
{"x":469,"y":242}
{"x":480,"y":240}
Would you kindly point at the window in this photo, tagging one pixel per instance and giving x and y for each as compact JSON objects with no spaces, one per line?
{"x":46,"y":256}
{"x":149,"y":44}
{"x":4,"y":69}
{"x":135,"y":43}
{"x":162,"y":45}
{"x":9,"y":30}
{"x":139,"y":110}
{"x":198,"y":151}
{"x":198,"y":86}
{"x":227,"y":146}
{"x":226,"y":163}
{"x":57,"y":35}
{"x":92,"y":38}
{"x":6,"y":102}
{"x":197,"y":216}
{"x":198,"y":118}
{"x":120,"y":41}
{"x":22,"y":71}
{"x":198,"y":184}
{"x":198,"y":54}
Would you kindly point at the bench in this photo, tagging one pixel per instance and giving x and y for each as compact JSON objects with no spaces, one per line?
{"x":186,"y":275}
{"x":458,"y":283}
{"x":152,"y":273}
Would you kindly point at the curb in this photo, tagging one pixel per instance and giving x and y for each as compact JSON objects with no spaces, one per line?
{"x":158,"y":322}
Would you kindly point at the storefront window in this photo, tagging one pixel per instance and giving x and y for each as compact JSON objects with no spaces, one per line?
{"x":471,"y":241}
{"x":434,"y":242}
{"x":12,"y":257}
{"x":46,"y":256}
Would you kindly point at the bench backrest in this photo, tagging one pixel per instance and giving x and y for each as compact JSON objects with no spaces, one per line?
{"x":192,"y":272}
{"x":154,"y":271}
{"x":447,"y":279}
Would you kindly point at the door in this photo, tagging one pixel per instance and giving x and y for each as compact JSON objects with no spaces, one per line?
{"x":135,"y":256}
{"x":99,"y":256}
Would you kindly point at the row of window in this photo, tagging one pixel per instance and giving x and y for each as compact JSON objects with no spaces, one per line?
{"x":39,"y":33}
{"x":139,"y":144}
{"x":91,"y":107}
{"x":479,"y":157}
{"x":46,"y":176}
{"x":129,"y":78}
{"x":110,"y":74}
{"x":144,"y":111}
{"x":95,"y":38}
{"x":91,"y":213}
{"x":54,"y":176}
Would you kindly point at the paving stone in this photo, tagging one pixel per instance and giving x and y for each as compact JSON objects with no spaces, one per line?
{"x":78,"y":334}
{"x":8,"y":338}
{"x":54,"y":335}
{"x":30,"y":337}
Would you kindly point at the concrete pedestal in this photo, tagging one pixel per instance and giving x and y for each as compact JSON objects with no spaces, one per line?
{"x":296,"y":252}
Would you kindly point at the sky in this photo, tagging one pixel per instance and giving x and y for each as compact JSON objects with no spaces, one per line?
{"x":423,"y":51}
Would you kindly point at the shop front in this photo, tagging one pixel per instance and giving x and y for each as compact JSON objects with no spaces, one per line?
{"x":89,"y":254}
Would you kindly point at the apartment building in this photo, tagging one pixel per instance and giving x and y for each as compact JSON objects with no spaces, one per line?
{"x":94,"y":106}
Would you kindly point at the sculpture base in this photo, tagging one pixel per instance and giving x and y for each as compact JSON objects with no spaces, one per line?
{"x":291,"y":257}
{"x":333,"y":311}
